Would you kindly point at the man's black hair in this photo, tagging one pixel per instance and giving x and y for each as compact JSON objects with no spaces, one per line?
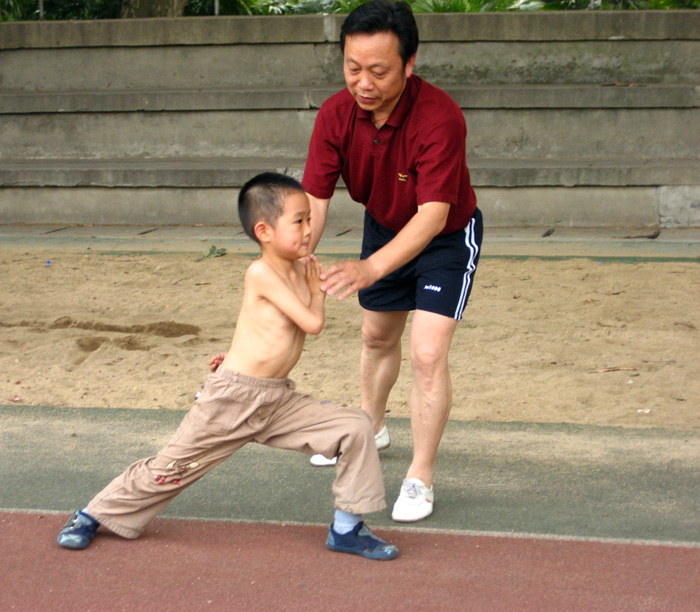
{"x":262,"y":198}
{"x":384,"y":16}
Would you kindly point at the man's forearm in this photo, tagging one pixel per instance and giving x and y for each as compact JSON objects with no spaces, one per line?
{"x":345,"y":277}
{"x":427,"y":223}
{"x":319,"y":213}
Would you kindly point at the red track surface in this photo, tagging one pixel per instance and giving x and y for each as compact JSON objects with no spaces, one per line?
{"x":215,"y":566}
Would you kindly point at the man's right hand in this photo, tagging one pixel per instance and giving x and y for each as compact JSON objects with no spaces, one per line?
{"x":345,"y":278}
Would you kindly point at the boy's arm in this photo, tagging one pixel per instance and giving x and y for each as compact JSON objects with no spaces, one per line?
{"x":318,"y":297}
{"x":268,"y":284}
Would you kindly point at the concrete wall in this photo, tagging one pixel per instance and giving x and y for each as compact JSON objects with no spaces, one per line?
{"x":574,"y":118}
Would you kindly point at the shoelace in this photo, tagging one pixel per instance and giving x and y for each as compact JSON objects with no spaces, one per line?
{"x":411,"y":490}
{"x":87,"y":526}
{"x":74,"y":520}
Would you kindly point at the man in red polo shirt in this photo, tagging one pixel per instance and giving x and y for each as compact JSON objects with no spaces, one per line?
{"x":400,"y":145}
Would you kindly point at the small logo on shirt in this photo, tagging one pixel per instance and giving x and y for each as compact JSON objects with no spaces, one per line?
{"x":433,"y":288}
{"x":403,"y":178}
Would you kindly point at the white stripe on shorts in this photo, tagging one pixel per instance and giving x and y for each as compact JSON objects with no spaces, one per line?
{"x":470,"y":241}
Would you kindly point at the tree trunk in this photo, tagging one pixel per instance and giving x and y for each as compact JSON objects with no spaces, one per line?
{"x":153,"y":8}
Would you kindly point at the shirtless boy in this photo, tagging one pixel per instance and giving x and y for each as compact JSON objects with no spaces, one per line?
{"x":248,"y":397}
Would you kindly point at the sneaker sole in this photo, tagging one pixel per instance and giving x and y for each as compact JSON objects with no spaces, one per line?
{"x":411,"y":519}
{"x":72,"y":545}
{"x":392,"y":555}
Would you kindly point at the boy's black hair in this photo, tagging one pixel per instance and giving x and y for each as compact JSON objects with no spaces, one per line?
{"x":384,"y":16}
{"x":262,"y":197}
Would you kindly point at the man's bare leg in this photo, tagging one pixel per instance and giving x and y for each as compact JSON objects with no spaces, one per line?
{"x":379,"y":368}
{"x":431,"y":394}
{"x":381,"y":360}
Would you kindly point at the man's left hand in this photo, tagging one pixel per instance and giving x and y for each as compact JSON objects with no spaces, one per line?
{"x":344,"y":278}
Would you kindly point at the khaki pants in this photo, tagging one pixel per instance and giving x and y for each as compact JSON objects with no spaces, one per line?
{"x":231,"y":411}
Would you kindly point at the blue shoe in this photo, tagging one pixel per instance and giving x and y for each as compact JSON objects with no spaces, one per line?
{"x":78,"y":532}
{"x":361,"y":541}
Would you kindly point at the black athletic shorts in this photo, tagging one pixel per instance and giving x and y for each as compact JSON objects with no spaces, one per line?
{"x":438,"y":280}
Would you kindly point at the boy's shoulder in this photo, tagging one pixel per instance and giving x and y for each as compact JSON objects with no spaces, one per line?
{"x":258,"y":266}
{"x":260,"y":270}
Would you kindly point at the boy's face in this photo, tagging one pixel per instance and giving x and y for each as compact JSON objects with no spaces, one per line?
{"x":291,"y":234}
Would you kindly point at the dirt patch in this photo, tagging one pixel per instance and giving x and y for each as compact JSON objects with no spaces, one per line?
{"x":167,"y":329}
{"x":575,"y":340}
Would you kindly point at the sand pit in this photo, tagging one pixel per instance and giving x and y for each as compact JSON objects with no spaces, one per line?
{"x":576,"y":340}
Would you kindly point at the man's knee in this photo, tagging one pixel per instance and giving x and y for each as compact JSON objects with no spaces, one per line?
{"x":427,"y":357}
{"x":377,"y":339}
{"x":431,"y":336}
{"x":382,"y":330}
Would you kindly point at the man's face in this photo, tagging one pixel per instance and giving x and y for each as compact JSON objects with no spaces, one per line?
{"x":374,"y":71}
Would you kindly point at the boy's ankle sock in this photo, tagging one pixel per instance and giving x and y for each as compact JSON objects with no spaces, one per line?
{"x":86,"y":513}
{"x":345,"y":522}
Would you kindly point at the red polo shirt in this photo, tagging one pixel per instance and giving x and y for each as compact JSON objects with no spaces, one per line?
{"x":417,"y":156}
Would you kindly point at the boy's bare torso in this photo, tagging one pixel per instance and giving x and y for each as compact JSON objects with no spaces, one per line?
{"x":266,"y":343}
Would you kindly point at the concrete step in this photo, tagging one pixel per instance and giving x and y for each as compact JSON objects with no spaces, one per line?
{"x":317,"y":65}
{"x":516,"y":133}
{"x":613,"y":95}
{"x":512,"y":193}
{"x":119,"y":199}
{"x":568,"y":47}
{"x":575,"y":119}
{"x":233,"y":172}
{"x":535,"y":26}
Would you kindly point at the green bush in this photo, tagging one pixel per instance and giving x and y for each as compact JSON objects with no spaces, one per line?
{"x":23,"y":10}
{"x":15,"y":10}
{"x":621,"y":5}
{"x":289,"y":7}
{"x":201,"y":8}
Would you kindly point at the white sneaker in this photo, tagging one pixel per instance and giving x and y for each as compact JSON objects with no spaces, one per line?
{"x":415,"y":502}
{"x":321,"y":461}
{"x":382,"y":440}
